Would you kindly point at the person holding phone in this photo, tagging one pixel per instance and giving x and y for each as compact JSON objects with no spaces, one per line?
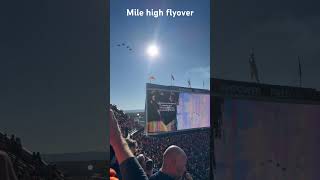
{"x":130,"y":168}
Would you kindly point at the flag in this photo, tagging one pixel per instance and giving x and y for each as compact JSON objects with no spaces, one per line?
{"x":172,"y":77}
{"x":152,"y":78}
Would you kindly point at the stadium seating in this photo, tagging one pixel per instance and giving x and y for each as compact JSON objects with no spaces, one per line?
{"x":26,"y":165}
{"x":194,"y":142}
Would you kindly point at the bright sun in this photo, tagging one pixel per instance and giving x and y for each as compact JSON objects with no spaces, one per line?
{"x":153,"y":51}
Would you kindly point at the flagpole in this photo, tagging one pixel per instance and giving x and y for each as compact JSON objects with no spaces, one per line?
{"x":300,"y":73}
{"x":172,"y":79}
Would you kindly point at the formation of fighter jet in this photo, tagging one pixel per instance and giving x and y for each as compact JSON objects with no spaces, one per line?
{"x":124,"y":45}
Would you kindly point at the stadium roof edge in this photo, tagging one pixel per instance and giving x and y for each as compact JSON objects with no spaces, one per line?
{"x":176,"y":88}
{"x":257,"y":84}
{"x":231,"y":88}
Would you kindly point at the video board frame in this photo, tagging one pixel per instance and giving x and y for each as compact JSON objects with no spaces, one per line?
{"x":172,"y":89}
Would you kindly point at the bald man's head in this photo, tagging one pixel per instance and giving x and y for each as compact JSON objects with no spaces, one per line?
{"x":174,"y":161}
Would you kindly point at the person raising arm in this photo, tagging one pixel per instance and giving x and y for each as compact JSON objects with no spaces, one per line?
{"x":129,"y":166}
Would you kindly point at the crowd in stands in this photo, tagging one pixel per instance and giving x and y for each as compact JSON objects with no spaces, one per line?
{"x":27,"y":165}
{"x":195,"y":144}
{"x":127,"y":124}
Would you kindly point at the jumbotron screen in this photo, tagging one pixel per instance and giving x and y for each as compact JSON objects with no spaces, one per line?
{"x":172,"y":109}
{"x":268,"y":140}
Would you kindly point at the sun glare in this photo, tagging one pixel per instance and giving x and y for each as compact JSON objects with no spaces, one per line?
{"x":153,"y":51}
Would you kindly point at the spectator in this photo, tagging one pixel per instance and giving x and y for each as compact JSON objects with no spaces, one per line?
{"x":149,"y":167}
{"x":6,"y":167}
{"x":129,"y":166}
{"x":38,"y":157}
{"x":25,"y":165}
{"x":142,"y":161}
{"x":154,"y":146}
{"x":132,"y":145}
{"x":12,"y":138}
{"x":187,"y":176}
{"x":173,"y":165}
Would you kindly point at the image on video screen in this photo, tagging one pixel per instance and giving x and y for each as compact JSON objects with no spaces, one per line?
{"x":169,"y":111}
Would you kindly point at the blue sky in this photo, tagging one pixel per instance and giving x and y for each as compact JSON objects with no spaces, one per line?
{"x":183,"y":42}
